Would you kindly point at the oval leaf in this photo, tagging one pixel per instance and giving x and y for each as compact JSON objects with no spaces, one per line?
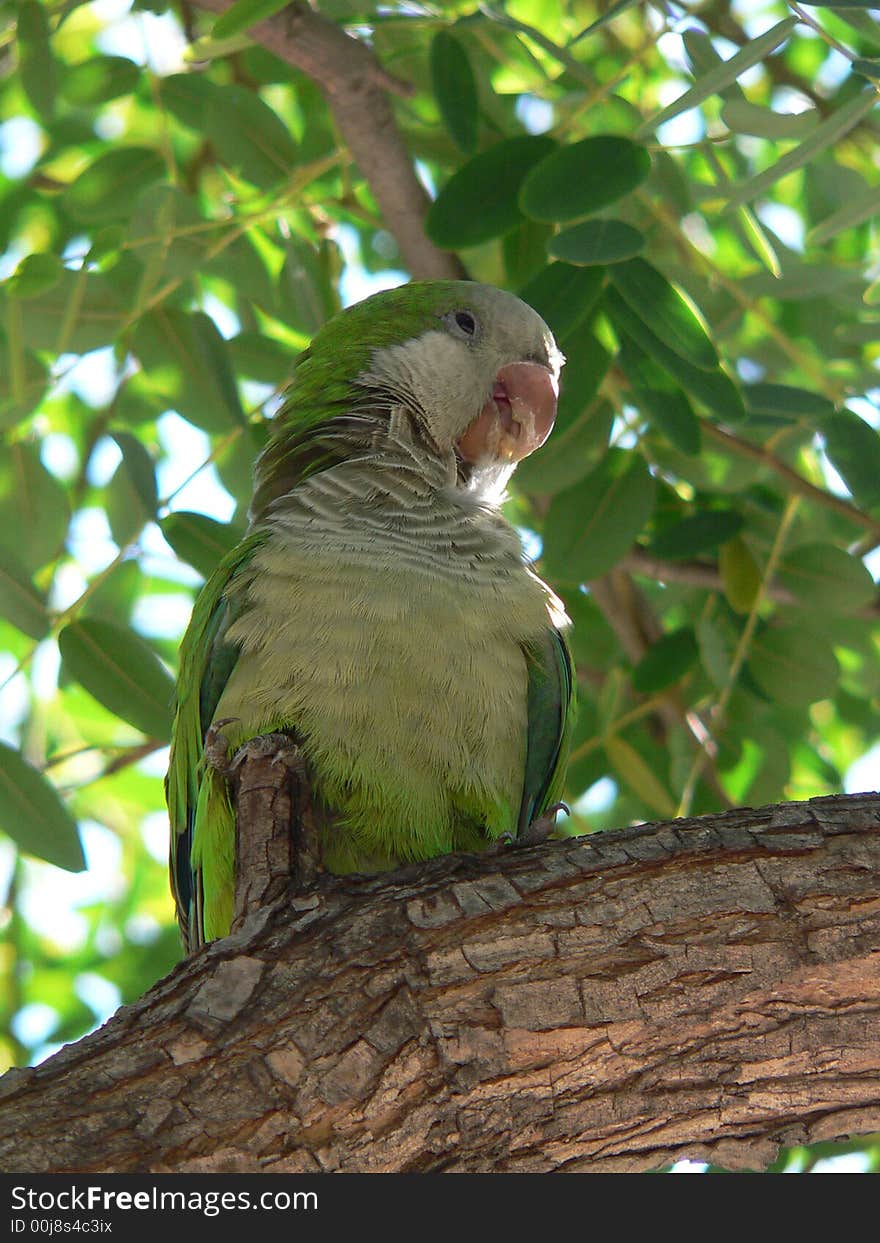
{"x":827,"y":578}
{"x":563,"y":296}
{"x":793,"y":667}
{"x":199,"y":540}
{"x":639,"y":776}
{"x":479,"y":202}
{"x":249,"y":137}
{"x":34,"y":510}
{"x":665,"y":311}
{"x":596,"y":241}
{"x":697,"y":533}
{"x":783,"y":401}
{"x":33,"y":815}
{"x":668,"y":660}
{"x":853,"y":447}
{"x":20,"y":602}
{"x":455,"y":89}
{"x":101,"y":78}
{"x":590,"y":527}
{"x":36,"y":64}
{"x":106,"y":189}
{"x":739,"y":574}
{"x":122,"y":671}
{"x":582,"y":177}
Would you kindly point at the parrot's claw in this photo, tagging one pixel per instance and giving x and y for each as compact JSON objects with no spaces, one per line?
{"x":537,"y":832}
{"x":273,"y":747}
{"x":217,"y":746}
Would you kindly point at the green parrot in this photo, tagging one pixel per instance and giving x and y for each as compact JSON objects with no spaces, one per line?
{"x":379,"y":609}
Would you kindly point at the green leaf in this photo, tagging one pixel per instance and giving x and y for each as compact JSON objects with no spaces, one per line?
{"x":715,"y":80}
{"x":822,"y":138}
{"x":200,"y":541}
{"x":665,"y":311}
{"x":660,"y":399}
{"x":188,"y":97}
{"x":167,"y":234}
{"x":666,"y":661}
{"x":121,"y":671}
{"x":186,"y":359}
{"x":98,"y":80}
{"x":714,"y":389}
{"x":739,"y":574}
{"x":305,"y":289}
{"x":34,"y":510}
{"x":35,"y":275}
{"x":131,"y":495}
{"x":249,"y":137}
{"x":697,"y":534}
{"x":582,"y":177}
{"x":793,"y":667}
{"x":33,"y":815}
{"x":859,"y":209}
{"x":639,"y":776}
{"x":36,"y":64}
{"x":827,"y":579}
{"x":563,"y":296}
{"x":79,"y":312}
{"x":455,"y":89}
{"x":745,"y":118}
{"x":260,"y":358}
{"x":245,"y":13}
{"x":479,"y":202}
{"x":596,"y":241}
{"x":592,"y":526}
{"x":20,"y":602}
{"x":783,"y":401}
{"x":106,"y":189}
{"x":853,"y":448}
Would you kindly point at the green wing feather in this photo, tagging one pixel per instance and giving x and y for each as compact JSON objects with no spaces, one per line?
{"x":202,"y":820}
{"x":551,"y":711}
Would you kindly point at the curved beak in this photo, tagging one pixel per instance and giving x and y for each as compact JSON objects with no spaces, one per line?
{"x":516,"y":419}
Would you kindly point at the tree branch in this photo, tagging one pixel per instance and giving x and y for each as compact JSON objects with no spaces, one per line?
{"x":354,"y":85}
{"x":707,"y":988}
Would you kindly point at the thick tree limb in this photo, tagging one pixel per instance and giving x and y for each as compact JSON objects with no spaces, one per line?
{"x":706,"y":988}
{"x":355,"y":85}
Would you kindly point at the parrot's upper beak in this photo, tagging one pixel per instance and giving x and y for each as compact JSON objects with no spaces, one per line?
{"x":516,"y":419}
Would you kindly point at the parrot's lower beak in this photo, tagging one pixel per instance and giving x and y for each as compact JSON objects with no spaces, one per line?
{"x":516,"y":419}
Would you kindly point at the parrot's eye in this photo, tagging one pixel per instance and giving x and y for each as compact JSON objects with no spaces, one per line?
{"x":463,"y":324}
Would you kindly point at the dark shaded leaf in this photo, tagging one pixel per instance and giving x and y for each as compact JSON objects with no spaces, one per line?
{"x":106,"y":189}
{"x":33,"y":815}
{"x":792,"y":666}
{"x":563,"y":296}
{"x":94,"y":81}
{"x":853,"y":448}
{"x":20,"y":601}
{"x":697,"y":534}
{"x":666,"y":661}
{"x":590,"y":527}
{"x":664,"y":311}
{"x":250,"y":137}
{"x":121,"y":671}
{"x":596,"y":241}
{"x":455,"y":89}
{"x":582,"y":177}
{"x":479,"y":202}
{"x":200,"y":541}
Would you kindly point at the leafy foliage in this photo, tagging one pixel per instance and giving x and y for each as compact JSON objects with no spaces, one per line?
{"x":689,"y":199}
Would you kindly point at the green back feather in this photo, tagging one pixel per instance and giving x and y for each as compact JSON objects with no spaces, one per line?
{"x":551,"y":712}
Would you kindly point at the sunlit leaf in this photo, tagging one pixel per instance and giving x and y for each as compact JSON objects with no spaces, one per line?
{"x":665,"y":312}
{"x":596,"y":241}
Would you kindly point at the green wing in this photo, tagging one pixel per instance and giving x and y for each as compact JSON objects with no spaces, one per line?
{"x":551,"y":711}
{"x":202,"y":821}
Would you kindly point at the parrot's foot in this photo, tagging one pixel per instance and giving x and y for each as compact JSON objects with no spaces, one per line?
{"x":538,"y":831}
{"x":217,"y":747}
{"x":276,"y":748}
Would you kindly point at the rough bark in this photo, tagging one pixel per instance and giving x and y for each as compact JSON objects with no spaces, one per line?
{"x":707,"y":988}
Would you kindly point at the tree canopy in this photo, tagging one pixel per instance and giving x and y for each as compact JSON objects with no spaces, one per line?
{"x":688,"y":193}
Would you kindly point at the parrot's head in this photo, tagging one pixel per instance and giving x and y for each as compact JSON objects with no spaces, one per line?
{"x":475,"y":368}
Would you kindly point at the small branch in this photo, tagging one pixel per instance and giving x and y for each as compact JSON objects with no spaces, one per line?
{"x":355,"y":85}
